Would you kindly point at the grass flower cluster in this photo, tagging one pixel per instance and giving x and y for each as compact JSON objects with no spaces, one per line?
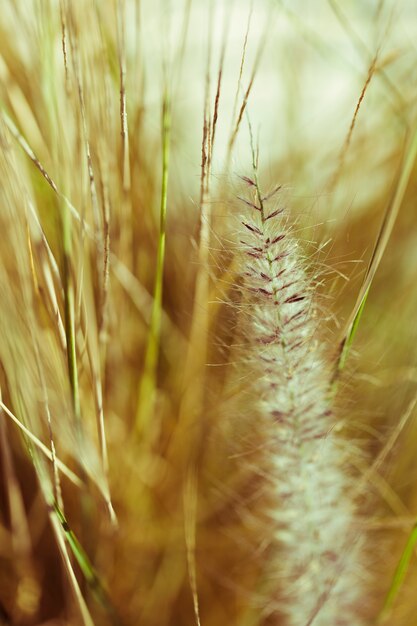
{"x":320,"y":566}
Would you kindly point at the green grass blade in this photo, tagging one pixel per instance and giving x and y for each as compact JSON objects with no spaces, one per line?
{"x":86,"y":566}
{"x":78,"y":551}
{"x":147,"y":383}
{"x":59,"y":532}
{"x":399,"y":575}
{"x":352,"y":332}
{"x":69,"y":314}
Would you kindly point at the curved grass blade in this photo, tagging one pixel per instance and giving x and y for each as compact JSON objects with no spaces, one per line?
{"x":387,"y":226}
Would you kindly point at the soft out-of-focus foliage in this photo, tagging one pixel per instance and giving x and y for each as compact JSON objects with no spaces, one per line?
{"x":147,"y":503}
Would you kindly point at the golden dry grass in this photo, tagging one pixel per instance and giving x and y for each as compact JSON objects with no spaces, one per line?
{"x":135,"y":475}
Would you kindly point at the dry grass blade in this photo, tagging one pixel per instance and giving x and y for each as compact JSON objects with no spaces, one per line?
{"x":44,"y":449}
{"x":32,"y":156}
{"x":190,"y":522}
{"x":197,"y":346}
{"x":19,"y":523}
{"x":347,"y":142}
{"x":246,"y":95}
{"x":408,"y":551}
{"x":363,"y":50}
{"x":388,"y":447}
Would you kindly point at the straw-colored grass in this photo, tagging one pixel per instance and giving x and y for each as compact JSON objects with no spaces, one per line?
{"x":143,"y":474}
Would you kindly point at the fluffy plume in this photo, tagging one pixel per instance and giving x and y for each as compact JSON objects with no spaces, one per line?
{"x":318,"y":574}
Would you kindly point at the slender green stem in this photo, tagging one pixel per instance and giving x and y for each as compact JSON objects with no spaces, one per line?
{"x":399,"y":575}
{"x":147,"y":383}
{"x":69,"y":316}
{"x":84,"y":562}
{"x":352,"y":332}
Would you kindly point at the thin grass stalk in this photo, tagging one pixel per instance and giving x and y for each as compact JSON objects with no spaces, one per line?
{"x":127,"y":236}
{"x":70,"y":317}
{"x":19,"y":523}
{"x":60,"y":534}
{"x":148,"y":378}
{"x":42,"y":447}
{"x":197,"y":347}
{"x":32,"y":156}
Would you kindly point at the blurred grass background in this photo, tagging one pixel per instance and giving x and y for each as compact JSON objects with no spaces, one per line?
{"x":86,"y":90}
